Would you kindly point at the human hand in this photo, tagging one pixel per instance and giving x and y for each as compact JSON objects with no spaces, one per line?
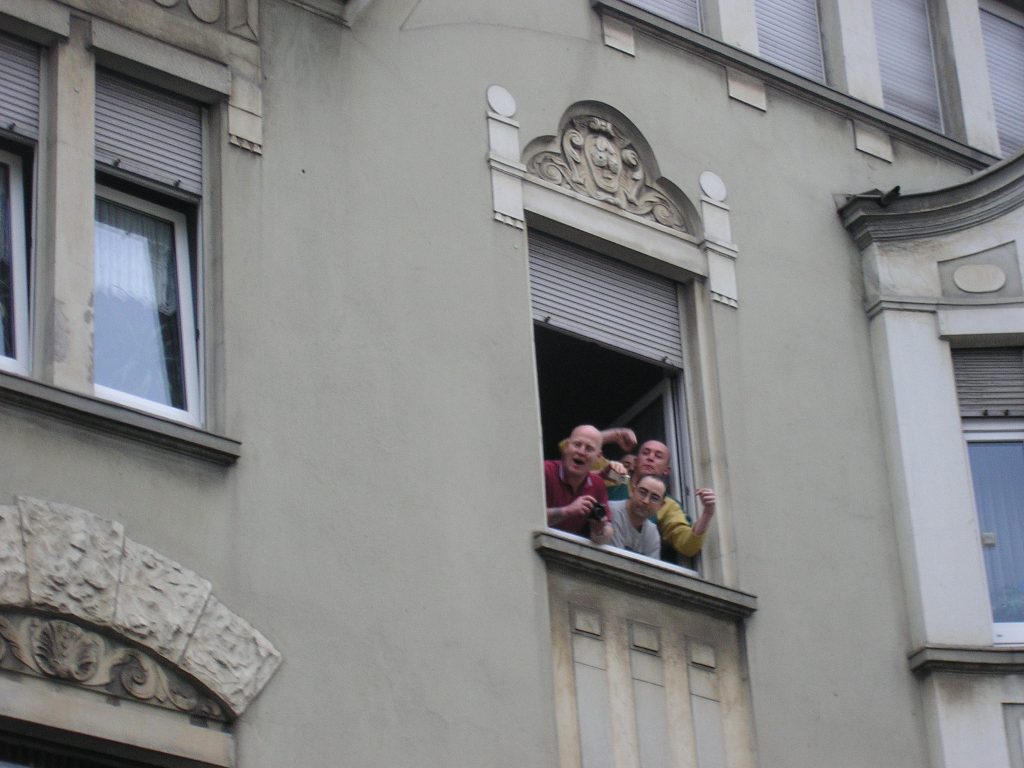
{"x":579,"y":508}
{"x":625,"y":438}
{"x":707,"y":499}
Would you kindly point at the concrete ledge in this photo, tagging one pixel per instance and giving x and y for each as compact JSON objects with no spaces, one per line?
{"x":967,"y":660}
{"x":680,"y":586}
{"x":116,"y":420}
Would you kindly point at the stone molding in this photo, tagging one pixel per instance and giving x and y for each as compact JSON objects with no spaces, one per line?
{"x":74,"y":577}
{"x":967,"y":660}
{"x":598,"y":153}
{"x":57,"y":649}
{"x":677,"y":585}
{"x":984,"y":197}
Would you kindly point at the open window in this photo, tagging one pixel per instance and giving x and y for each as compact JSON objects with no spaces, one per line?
{"x":608,"y":340}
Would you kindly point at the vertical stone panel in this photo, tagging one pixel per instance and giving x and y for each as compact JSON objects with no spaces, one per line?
{"x":13,"y":572}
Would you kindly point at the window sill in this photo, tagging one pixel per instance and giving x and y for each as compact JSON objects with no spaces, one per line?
{"x":649,"y":577}
{"x":794,"y":84}
{"x":117,"y":421}
{"x":967,"y":660}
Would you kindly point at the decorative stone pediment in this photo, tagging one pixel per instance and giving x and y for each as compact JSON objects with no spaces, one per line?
{"x":82,"y":603}
{"x":598,"y":153}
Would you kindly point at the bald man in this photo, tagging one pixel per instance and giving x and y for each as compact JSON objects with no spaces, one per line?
{"x":572,"y":490}
{"x":653,"y":459}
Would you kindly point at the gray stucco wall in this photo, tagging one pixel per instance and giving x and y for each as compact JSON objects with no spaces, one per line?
{"x":378,"y":368}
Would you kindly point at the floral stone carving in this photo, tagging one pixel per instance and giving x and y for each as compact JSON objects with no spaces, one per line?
{"x":65,"y":651}
{"x":594,"y":157}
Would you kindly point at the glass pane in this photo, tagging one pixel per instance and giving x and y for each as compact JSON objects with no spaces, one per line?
{"x":998,"y":472}
{"x":6,"y":265}
{"x":138,"y":345}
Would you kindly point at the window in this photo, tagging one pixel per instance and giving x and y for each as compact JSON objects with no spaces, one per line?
{"x":683,"y":12}
{"x":906,"y":61}
{"x":13,"y":267}
{"x":608,"y":340}
{"x":990,"y":387}
{"x":144,"y":332}
{"x":789,"y":34}
{"x":1004,"y":52}
{"x":19,"y":126}
{"x":149,"y":154}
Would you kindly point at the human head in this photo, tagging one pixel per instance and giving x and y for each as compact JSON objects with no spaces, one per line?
{"x":582,"y":447}
{"x":647,"y":496}
{"x":629,"y":462}
{"x":652,"y":459}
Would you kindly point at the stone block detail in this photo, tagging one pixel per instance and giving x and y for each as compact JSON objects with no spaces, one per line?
{"x":159,"y":601}
{"x":73,"y":559}
{"x":229,"y":656}
{"x":13,"y":571}
{"x":67,"y":562}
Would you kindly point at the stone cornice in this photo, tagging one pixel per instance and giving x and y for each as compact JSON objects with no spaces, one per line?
{"x":679,"y":586}
{"x":967,"y":660}
{"x":800,"y":87}
{"x":985,"y":197}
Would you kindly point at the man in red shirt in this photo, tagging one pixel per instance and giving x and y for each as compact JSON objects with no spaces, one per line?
{"x":571,"y":489}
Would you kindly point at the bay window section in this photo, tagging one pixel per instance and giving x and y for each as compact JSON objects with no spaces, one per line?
{"x":145,"y":341}
{"x":997,"y":470}
{"x":13,"y":267}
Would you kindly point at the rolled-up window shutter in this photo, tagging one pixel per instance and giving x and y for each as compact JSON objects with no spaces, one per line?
{"x":907,"y":61}
{"x":990,"y":382}
{"x":149,"y":132}
{"x":789,"y":34}
{"x":683,"y":12}
{"x":19,"y":86}
{"x":604,"y":300}
{"x":1004,"y":52}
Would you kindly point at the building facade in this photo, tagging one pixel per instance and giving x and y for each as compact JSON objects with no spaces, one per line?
{"x":296,"y":295}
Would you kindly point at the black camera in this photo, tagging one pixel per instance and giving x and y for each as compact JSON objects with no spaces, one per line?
{"x":597,"y":512}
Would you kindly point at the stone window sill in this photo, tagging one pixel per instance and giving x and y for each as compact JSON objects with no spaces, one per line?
{"x":116,"y":420}
{"x":967,"y":660}
{"x":678,"y":585}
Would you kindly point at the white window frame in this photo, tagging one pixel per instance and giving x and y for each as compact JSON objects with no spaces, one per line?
{"x":187,"y":310}
{"x":985,"y":430}
{"x":19,"y":268}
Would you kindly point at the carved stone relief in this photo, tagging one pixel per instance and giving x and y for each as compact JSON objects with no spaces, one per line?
{"x":57,"y":559}
{"x":62,"y":650}
{"x":596,"y":157}
{"x":239,"y":18}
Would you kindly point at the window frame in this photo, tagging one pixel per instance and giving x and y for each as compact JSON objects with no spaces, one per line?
{"x":188,"y":271}
{"x":988,"y":430}
{"x":19,"y":363}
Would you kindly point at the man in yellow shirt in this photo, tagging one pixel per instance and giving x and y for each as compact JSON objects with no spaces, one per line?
{"x":653,"y":459}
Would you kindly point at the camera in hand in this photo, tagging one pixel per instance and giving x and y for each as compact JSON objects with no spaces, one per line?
{"x":597,"y":512}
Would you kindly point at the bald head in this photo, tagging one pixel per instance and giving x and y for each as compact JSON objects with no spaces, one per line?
{"x":652,"y":459}
{"x":582,"y":447}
